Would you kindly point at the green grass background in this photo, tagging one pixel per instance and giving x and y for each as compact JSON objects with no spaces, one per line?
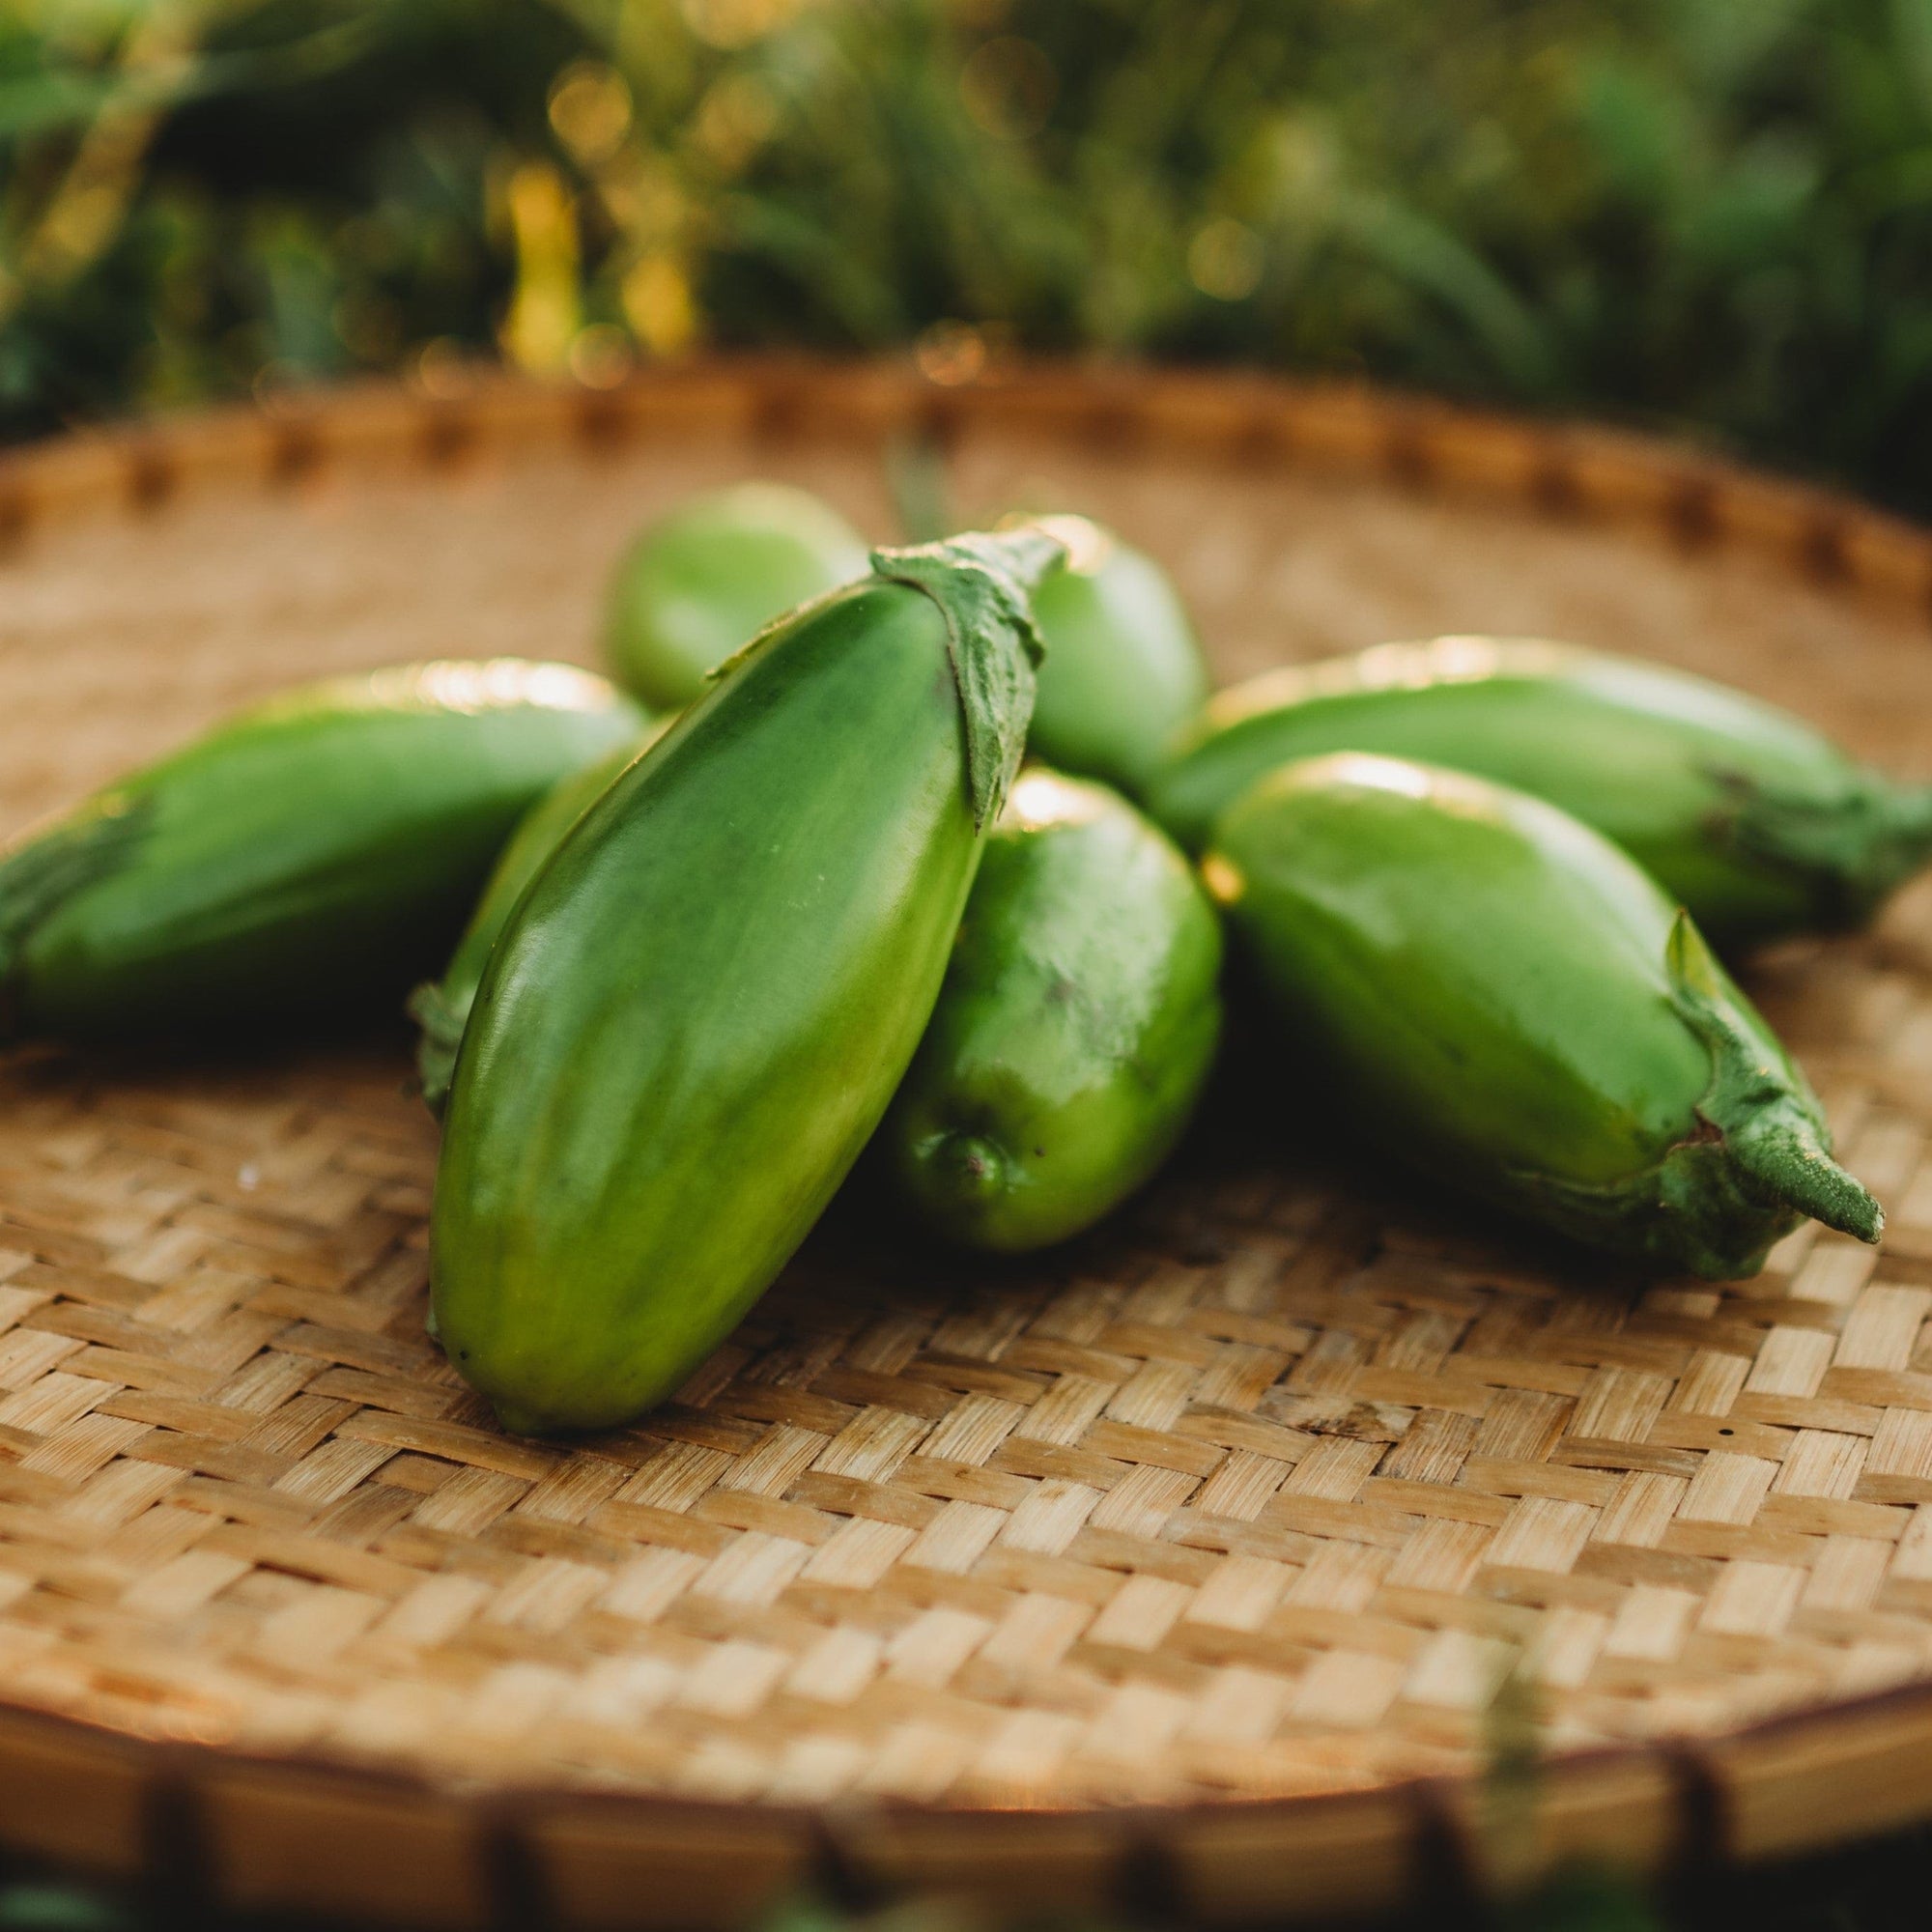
{"x":1709,"y":215}
{"x":1704,"y":214}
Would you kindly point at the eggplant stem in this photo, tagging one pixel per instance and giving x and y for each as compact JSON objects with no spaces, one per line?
{"x":984,"y":584}
{"x":1798,"y":1170}
{"x":1769,"y":1121}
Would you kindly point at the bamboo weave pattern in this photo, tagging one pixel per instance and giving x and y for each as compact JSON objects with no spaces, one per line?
{"x":1263,"y":1490}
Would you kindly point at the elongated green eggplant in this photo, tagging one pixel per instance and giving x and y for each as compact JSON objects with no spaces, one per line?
{"x":1503,"y":998}
{"x":1122,"y":674}
{"x":441,"y":1007}
{"x":699,"y":1009}
{"x":1754,"y":821}
{"x":315,"y":852}
{"x":1077,"y":1022}
{"x":701,"y":581}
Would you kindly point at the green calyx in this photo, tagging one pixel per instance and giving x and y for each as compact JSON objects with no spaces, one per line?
{"x":1848,"y":852}
{"x":44,"y":870}
{"x":1756,"y":1163}
{"x":1770,"y":1127}
{"x":983,"y":587}
{"x":442,"y":1035}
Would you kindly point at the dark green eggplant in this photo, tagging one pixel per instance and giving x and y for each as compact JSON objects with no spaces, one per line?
{"x":1123,"y":673}
{"x":1754,"y":821}
{"x":696,"y":1015}
{"x":701,"y":581}
{"x":1501,"y":996}
{"x":1076,"y":1025}
{"x":312,"y":854}
{"x":441,"y":1007}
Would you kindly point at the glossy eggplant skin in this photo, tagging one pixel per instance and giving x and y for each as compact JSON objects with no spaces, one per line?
{"x":1123,"y":673}
{"x":441,"y":1008}
{"x":699,"y":1009}
{"x":1751,"y":819}
{"x":1076,"y":1026}
{"x":701,"y":581}
{"x":312,"y":854}
{"x":1502,"y":997}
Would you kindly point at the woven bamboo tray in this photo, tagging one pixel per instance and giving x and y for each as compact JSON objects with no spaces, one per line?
{"x":1180,"y":1571}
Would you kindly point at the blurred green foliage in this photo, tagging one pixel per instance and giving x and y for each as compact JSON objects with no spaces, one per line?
{"x":1709,"y":211}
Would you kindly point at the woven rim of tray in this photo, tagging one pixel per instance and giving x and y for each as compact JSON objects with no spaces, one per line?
{"x":207,"y":1824}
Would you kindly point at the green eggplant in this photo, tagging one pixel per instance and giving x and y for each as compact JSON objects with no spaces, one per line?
{"x":1754,"y":821}
{"x":1124,"y":671}
{"x":696,"y":1015}
{"x":1502,"y":996}
{"x":701,"y":581}
{"x":313,"y":853}
{"x":441,"y":1008}
{"x":1077,"y":1023}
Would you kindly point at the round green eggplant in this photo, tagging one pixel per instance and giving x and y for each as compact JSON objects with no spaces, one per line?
{"x":1077,"y":1023}
{"x":1755,"y":822}
{"x":1503,"y":998}
{"x":701,"y":581}
{"x":1124,"y":671}
{"x":312,"y":854}
{"x":441,"y":1008}
{"x":699,"y":1009}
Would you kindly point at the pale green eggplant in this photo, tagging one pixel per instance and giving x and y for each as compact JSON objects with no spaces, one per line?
{"x":1077,"y":1023}
{"x":696,"y":1015}
{"x":701,"y":581}
{"x":314,"y":853}
{"x":1752,"y":819}
{"x":1502,"y":997}
{"x":1124,"y":672}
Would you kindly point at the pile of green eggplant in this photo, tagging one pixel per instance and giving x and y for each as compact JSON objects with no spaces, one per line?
{"x":924,"y":863}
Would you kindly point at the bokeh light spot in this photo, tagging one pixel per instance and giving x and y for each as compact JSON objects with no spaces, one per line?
{"x":1225,"y":260}
{"x":950,"y":353}
{"x":735,"y":119}
{"x":590,"y":110}
{"x":601,"y":356}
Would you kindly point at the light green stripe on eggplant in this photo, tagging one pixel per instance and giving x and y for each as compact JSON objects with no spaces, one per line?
{"x":704,"y":578}
{"x":1077,"y":1023}
{"x":1124,"y":672}
{"x":441,"y":1008}
{"x":699,"y":1009}
{"x":1504,"y":998}
{"x":56,"y":864}
{"x":312,"y":853}
{"x":1749,"y":817}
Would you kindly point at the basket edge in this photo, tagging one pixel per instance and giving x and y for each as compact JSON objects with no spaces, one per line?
{"x":202,"y":1824}
{"x":1559,"y":470}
